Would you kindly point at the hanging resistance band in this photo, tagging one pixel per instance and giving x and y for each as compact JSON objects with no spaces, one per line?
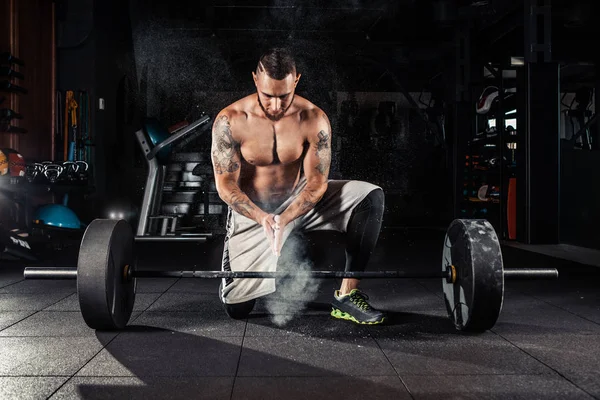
{"x":71,"y":134}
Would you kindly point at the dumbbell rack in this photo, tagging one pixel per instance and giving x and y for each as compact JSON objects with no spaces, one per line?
{"x":7,"y":76}
{"x":489,"y":166}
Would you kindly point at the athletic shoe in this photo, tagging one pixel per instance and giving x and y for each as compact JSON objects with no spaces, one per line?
{"x":354,"y":307}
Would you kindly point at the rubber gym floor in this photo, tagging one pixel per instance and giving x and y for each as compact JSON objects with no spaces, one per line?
{"x":180,"y":344}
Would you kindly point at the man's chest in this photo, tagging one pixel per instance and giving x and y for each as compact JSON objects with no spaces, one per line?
{"x":271,"y":144}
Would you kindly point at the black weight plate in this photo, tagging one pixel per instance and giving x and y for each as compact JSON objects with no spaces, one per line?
{"x":181,"y":167}
{"x":194,"y":208}
{"x":192,"y":157}
{"x":183,"y":177}
{"x":182,"y":197}
{"x":106,"y":298}
{"x":474,"y":301}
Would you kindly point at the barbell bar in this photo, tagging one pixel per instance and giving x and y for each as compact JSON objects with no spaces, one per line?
{"x":71,"y":273}
{"x":472,"y":274}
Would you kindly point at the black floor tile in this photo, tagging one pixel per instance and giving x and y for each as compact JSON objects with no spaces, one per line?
{"x":45,"y":356}
{"x":196,"y":285}
{"x":586,"y":380}
{"x":414,"y":324}
{"x":523,"y":314}
{"x":317,"y":388}
{"x":576,"y":356}
{"x":455,"y":354}
{"x":154,"y":285}
{"x":136,"y":388}
{"x":309,"y":325}
{"x":433,"y":286}
{"x":180,"y":344}
{"x":71,"y":303}
{"x":10,"y":274}
{"x":145,"y":351}
{"x":8,"y":318}
{"x":501,"y":387}
{"x":408,"y":299}
{"x":10,"y":279}
{"x":184,"y":302}
{"x":209,"y":323}
{"x":29,"y":302}
{"x":276,"y":306}
{"x":41,"y":287}
{"x":56,"y":324}
{"x":300,"y":355}
{"x":25,"y":388}
{"x":584,"y":303}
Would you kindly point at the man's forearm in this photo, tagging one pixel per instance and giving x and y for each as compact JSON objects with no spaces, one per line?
{"x":240,"y":202}
{"x":306,"y":201}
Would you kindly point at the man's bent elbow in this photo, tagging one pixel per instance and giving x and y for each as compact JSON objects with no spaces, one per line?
{"x":319,"y":188}
{"x":222,"y":190}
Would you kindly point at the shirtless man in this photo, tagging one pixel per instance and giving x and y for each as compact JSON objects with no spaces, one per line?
{"x":271,"y":154}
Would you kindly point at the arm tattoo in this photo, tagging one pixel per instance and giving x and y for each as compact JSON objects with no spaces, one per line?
{"x":306,"y":206}
{"x":240,"y":203}
{"x":310,"y":198}
{"x":323,"y":153}
{"x":225,"y":148}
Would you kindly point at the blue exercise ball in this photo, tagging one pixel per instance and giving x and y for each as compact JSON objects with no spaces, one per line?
{"x":57,"y":215}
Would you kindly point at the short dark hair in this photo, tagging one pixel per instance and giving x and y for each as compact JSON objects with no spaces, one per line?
{"x":277,"y":62}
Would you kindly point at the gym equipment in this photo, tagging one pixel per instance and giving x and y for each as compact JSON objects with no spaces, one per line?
{"x":16,"y":164}
{"x":472,"y":251}
{"x":8,"y":114}
{"x":52,"y":171}
{"x":10,"y":73}
{"x":3,"y":163}
{"x":69,"y":172}
{"x":157,"y":134}
{"x":8,"y":58}
{"x":5,"y":127}
{"x":35,"y":172}
{"x":58,"y":216}
{"x":156,"y":143}
{"x":6,"y":86}
{"x":16,"y":246}
{"x":487,"y":97}
{"x":472,"y":274}
{"x":108,"y":297}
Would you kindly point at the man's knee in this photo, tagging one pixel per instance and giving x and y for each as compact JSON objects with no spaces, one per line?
{"x":377,"y":198}
{"x":374,"y":200}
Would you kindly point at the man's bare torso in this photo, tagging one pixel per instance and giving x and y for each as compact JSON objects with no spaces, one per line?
{"x":272,"y":151}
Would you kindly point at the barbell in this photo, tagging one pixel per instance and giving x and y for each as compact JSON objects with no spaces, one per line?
{"x":472,"y":274}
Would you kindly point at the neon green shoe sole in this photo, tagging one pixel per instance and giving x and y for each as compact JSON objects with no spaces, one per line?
{"x":335,"y":313}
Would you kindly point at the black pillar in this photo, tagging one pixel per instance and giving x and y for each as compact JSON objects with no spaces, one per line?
{"x":538,"y":150}
{"x":462,"y":113}
{"x":596,"y":100}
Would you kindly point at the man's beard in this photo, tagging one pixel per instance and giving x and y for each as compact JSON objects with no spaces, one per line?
{"x":271,"y":116}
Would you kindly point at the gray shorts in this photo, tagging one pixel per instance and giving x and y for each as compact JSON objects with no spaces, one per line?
{"x":248,"y":249}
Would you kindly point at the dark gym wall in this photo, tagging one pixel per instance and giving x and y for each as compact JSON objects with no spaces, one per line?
{"x":180,"y":58}
{"x":580,"y":197}
{"x":95,"y":54}
{"x":180,"y":66}
{"x":579,"y":189}
{"x":26,"y":32}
